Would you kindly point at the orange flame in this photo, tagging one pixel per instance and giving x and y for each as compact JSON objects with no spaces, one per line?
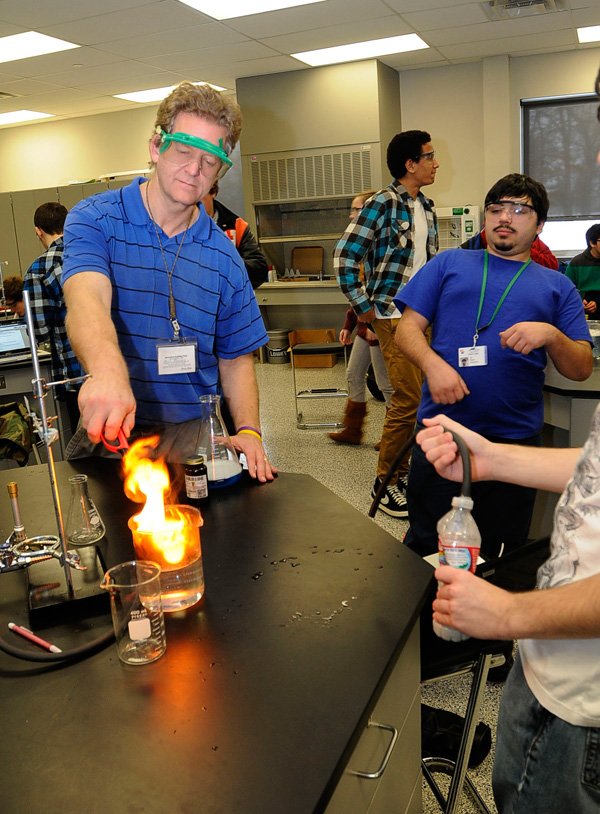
{"x":156,"y":536}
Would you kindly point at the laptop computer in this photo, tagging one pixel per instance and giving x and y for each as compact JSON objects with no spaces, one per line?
{"x":14,"y":342}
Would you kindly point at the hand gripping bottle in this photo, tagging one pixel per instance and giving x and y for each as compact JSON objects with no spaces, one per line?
{"x":459,"y":542}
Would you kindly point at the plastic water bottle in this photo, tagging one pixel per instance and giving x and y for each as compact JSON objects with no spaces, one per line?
{"x":459,"y":542}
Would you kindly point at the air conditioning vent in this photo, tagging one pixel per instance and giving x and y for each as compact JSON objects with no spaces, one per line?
{"x":324,"y":174}
{"x":510,"y":9}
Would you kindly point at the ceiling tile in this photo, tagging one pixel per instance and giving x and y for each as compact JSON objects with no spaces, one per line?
{"x":305,"y":18}
{"x":526,"y":44}
{"x":466,"y":14}
{"x":33,"y":14}
{"x":500,"y":31}
{"x":155,"y":17}
{"x":173,"y":41}
{"x":337,"y":35}
{"x":219,"y":55}
{"x":406,"y":6}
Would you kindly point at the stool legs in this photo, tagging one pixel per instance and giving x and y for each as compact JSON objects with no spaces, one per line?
{"x":458,"y":769}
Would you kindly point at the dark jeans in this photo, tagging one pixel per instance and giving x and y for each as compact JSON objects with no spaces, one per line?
{"x":502,"y":511}
{"x":542,"y":763}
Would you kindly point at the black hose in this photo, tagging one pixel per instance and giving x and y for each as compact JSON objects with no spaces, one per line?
{"x":463,"y":451}
{"x":55,"y":658}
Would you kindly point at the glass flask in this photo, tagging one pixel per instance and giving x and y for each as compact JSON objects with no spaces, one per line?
{"x":214,"y":444}
{"x":84,"y":524}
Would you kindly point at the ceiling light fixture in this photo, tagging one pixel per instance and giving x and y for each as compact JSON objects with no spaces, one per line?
{"x":590,"y":33}
{"x":243,"y":8}
{"x":362,"y":50}
{"x":156,"y":94}
{"x":16,"y":116}
{"x":31,"y":44}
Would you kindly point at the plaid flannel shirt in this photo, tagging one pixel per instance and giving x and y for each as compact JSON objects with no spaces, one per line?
{"x":382,"y":238}
{"x":48,"y":310}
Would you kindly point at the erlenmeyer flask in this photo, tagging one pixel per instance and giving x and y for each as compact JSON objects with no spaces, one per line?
{"x":84,"y":524}
{"x":222,"y":464}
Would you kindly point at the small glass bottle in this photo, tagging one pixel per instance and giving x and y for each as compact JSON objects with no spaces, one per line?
{"x":84,"y":524}
{"x":196,"y":480}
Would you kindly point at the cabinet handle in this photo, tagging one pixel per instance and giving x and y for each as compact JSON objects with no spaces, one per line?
{"x":386,"y":758}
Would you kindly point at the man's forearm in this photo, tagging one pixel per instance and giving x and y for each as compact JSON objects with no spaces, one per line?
{"x":478,"y":608}
{"x":413,"y":343}
{"x":240,"y":390}
{"x":569,"y":611}
{"x":535,"y":467}
{"x":89,"y":326}
{"x":571,"y":358}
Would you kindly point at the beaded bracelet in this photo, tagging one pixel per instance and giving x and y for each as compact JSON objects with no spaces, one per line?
{"x":250,"y":431}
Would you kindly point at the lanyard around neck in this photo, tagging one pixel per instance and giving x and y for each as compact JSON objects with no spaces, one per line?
{"x":486,"y":260}
{"x":172,"y":305}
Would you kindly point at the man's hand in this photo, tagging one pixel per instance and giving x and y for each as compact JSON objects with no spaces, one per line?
{"x":589,"y":306}
{"x":345,"y":336}
{"x":259,"y":466}
{"x":446,"y":385}
{"x":472,"y":605}
{"x":523,"y":337}
{"x":441,"y":450}
{"x":106,"y":405}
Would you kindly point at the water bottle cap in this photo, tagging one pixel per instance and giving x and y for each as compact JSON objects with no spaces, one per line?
{"x":462,"y":502}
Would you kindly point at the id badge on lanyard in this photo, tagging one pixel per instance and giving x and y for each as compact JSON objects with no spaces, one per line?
{"x":177,"y":356}
{"x":476,"y":355}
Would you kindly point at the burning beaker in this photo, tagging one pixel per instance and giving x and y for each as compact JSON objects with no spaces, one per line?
{"x":84,"y":524}
{"x":175,"y":546}
{"x":214,"y":444}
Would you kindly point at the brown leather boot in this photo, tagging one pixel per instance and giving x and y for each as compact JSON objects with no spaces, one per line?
{"x":353,"y":422}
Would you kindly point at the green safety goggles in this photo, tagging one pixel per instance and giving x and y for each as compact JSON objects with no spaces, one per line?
{"x":193,"y":141}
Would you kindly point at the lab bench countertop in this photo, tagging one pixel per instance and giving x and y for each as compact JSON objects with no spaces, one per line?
{"x":264,"y":689}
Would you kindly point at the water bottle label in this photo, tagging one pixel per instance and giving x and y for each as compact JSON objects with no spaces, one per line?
{"x":463,"y":558}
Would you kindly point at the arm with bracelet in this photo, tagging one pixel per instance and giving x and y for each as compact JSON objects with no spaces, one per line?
{"x":239,"y":386}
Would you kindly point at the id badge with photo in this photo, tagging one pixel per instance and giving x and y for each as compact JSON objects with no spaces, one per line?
{"x":177,"y":357}
{"x":475,"y":356}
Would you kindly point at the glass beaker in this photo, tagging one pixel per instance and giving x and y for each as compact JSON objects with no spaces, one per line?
{"x":84,"y":524}
{"x":176,"y":548}
{"x":214,"y":444}
{"x":136,"y":610}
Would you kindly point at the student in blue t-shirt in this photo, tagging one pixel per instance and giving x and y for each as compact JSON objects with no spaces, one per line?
{"x":160,"y":307}
{"x":495,"y":316}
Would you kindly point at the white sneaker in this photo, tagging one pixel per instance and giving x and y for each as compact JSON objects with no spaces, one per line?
{"x":393,"y":501}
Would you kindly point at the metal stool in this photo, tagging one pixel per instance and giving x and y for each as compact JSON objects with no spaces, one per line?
{"x":316,"y":349}
{"x":441,"y":660}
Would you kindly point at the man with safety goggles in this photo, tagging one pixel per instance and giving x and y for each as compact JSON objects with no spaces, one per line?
{"x":496,"y":317}
{"x":160,"y":308}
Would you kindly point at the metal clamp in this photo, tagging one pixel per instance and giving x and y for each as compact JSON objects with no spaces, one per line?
{"x":386,"y":758}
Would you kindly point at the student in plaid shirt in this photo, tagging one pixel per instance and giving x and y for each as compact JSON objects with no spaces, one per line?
{"x":394,"y":235}
{"x":43,"y":283}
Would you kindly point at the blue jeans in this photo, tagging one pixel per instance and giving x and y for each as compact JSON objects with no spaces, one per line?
{"x":543,"y":764}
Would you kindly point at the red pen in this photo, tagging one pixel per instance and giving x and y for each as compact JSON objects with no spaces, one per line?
{"x":31,"y":637}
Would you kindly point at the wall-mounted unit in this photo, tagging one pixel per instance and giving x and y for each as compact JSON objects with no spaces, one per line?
{"x":457,"y":224}
{"x":312,"y":174}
